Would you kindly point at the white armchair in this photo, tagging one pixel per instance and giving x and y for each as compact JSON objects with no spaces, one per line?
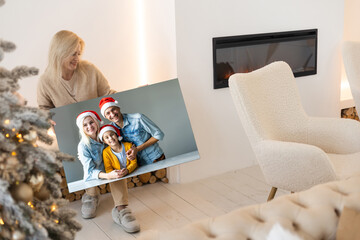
{"x":293,"y":150}
{"x":351,"y":58}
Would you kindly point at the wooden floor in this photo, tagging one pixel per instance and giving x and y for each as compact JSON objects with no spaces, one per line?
{"x":166,"y":206}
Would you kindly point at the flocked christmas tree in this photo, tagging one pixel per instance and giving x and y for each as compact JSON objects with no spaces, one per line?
{"x":31,"y":206}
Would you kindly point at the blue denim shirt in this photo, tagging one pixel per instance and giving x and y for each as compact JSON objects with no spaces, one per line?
{"x":138,"y":129}
{"x":91,"y":159}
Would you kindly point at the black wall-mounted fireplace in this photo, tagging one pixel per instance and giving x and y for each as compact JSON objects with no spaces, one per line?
{"x":241,"y":54}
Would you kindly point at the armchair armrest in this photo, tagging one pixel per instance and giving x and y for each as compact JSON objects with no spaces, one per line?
{"x":334,"y":135}
{"x":293,"y":166}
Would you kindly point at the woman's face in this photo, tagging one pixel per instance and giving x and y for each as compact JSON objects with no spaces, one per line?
{"x":90,"y":128}
{"x":110,"y":138}
{"x":71,"y":62}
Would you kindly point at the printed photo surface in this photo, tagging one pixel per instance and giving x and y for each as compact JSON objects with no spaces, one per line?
{"x":155,"y":111}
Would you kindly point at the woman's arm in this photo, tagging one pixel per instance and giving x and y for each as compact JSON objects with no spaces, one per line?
{"x":89,"y":167}
{"x":43,"y":100}
{"x":111,"y":175}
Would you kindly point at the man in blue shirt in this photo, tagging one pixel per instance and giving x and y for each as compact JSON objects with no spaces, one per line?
{"x":135,"y":128}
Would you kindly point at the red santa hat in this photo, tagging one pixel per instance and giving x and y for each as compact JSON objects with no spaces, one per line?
{"x":80,"y":118}
{"x":105,"y":103}
{"x":107,"y":128}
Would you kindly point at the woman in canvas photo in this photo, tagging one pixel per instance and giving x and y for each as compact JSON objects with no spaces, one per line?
{"x":90,"y":151}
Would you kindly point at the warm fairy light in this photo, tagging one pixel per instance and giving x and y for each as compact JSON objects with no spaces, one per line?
{"x":19,"y":136}
{"x":7,"y":135}
{"x":53,"y":207}
{"x":7,"y":121}
{"x":13,"y":129}
{"x":13,"y":153}
{"x":56,"y":221}
{"x":1,"y":221}
{"x":30,"y":205}
{"x":35,"y":145}
{"x":51,"y":132}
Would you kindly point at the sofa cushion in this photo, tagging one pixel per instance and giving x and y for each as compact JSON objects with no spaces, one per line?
{"x":311,"y":214}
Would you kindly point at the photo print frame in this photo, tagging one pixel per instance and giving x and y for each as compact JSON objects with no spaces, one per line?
{"x":162,"y":102}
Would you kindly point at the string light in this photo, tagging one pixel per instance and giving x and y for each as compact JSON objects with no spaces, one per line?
{"x":7,"y":135}
{"x":56,"y":221}
{"x":53,"y":207}
{"x":51,"y":132}
{"x":19,"y":136}
{"x":13,"y":153}
{"x":1,"y":221}
{"x":7,"y":121}
{"x":13,"y":129}
{"x":30,"y":205}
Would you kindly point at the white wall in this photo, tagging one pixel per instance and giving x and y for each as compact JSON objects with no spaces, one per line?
{"x":351,"y":20}
{"x":109,"y":29}
{"x":221,"y":140}
{"x":351,"y":33}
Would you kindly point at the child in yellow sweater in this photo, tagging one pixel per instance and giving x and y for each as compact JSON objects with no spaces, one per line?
{"x":114,"y":155}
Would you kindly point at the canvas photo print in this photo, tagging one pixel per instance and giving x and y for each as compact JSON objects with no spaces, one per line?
{"x":124,"y":134}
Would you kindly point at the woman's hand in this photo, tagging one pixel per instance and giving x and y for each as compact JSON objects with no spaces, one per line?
{"x":114,"y":174}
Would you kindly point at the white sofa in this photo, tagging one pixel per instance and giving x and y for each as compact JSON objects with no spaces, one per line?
{"x":310,"y":214}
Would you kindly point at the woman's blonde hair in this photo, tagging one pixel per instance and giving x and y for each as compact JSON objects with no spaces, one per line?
{"x":63,"y":44}
{"x":83,"y":136}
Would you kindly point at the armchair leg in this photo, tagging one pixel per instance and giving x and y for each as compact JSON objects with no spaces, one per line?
{"x":272,"y":193}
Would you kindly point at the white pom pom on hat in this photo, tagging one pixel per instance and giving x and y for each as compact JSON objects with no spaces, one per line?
{"x":105,"y":103}
{"x":80,"y":118}
{"x":107,"y":128}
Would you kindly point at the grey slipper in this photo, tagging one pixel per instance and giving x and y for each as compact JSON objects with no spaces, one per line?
{"x":125,"y":219}
{"x":89,"y":206}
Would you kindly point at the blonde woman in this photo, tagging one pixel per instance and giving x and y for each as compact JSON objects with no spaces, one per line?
{"x":90,"y":155}
{"x":67,"y":78}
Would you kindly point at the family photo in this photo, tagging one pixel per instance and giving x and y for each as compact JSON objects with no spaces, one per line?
{"x":124,"y":134}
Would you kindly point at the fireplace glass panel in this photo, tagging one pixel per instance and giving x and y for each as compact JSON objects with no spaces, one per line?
{"x":232,"y":56}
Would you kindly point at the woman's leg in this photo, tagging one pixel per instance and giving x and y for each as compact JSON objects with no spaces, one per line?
{"x":93,"y":191}
{"x":90,"y":201}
